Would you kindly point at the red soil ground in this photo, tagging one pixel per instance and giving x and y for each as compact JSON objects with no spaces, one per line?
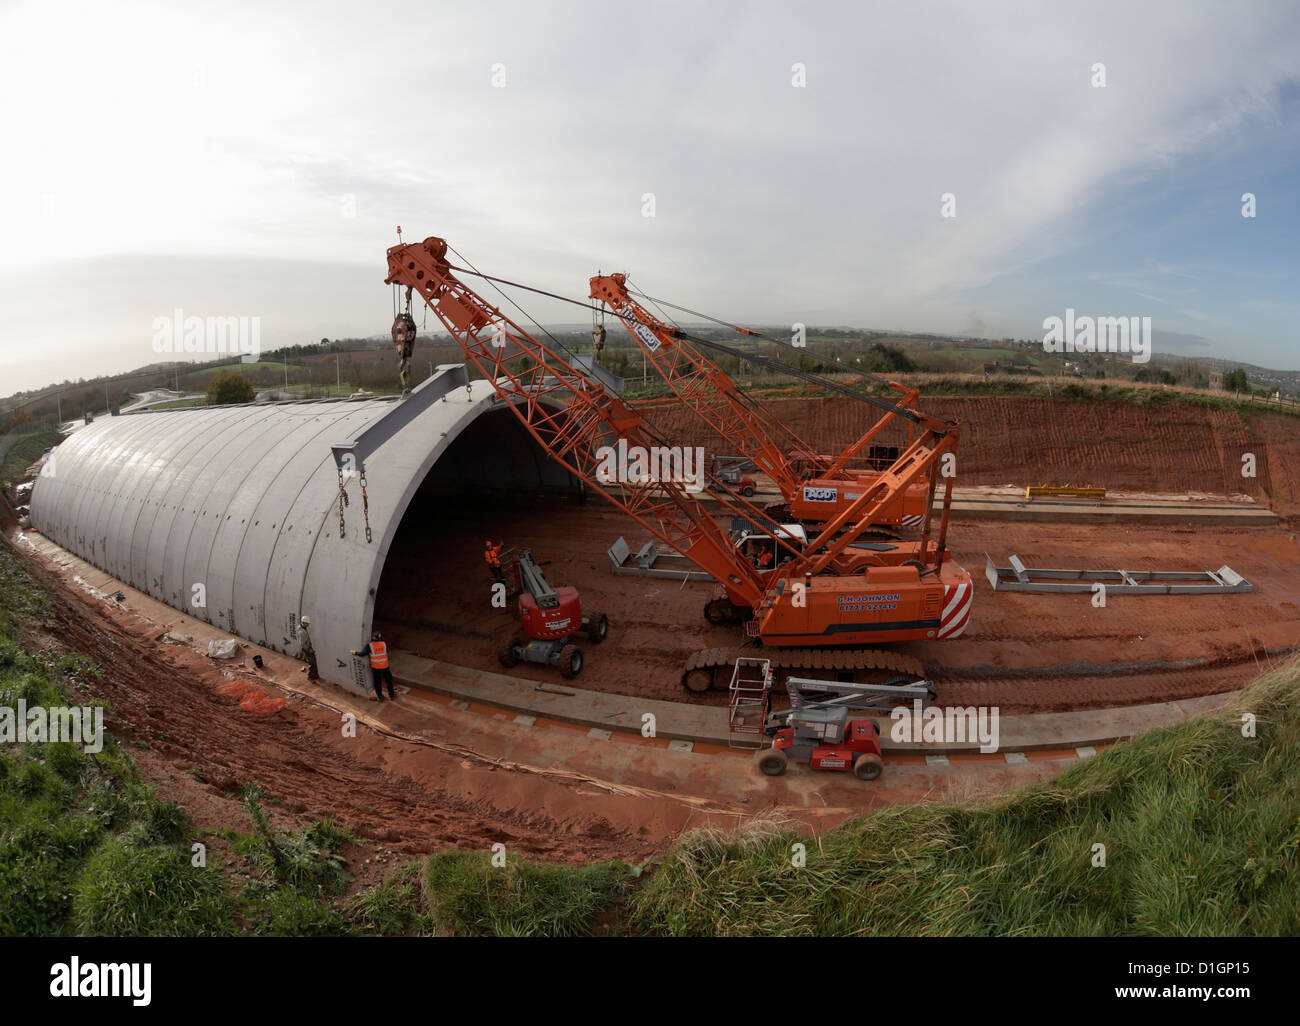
{"x":1021,"y":652}
{"x":1177,"y":448}
{"x":419,"y":776}
{"x":400,"y":794}
{"x":1024,"y":653}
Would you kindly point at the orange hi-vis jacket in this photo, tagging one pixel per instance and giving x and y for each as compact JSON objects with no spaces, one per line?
{"x":379,"y":655}
{"x":492,"y":555}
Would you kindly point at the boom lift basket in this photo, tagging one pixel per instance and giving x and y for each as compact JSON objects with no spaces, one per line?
{"x":748,"y":697}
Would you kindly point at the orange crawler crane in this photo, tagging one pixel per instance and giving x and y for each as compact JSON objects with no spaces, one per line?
{"x":816,"y":488}
{"x":819,"y":603}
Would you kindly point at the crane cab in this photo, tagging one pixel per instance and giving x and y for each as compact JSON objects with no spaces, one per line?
{"x":760,"y":549}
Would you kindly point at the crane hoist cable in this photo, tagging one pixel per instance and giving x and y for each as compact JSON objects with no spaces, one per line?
{"x":777,"y":365}
{"x":752,"y":403}
{"x":493,"y":282}
{"x":650,"y":431}
{"x":809,"y":376}
{"x":758,"y":334}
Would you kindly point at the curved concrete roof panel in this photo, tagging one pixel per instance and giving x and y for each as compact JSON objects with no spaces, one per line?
{"x":232,"y":513}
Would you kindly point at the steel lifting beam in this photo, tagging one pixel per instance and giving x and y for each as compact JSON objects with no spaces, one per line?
{"x":650,"y":562}
{"x":1063,"y":491}
{"x":352,"y":453}
{"x":1018,"y":577}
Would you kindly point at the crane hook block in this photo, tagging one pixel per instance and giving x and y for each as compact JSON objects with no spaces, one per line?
{"x":404,"y":334}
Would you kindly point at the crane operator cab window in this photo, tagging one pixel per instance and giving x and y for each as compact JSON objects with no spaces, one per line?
{"x":761,"y":551}
{"x":758,"y":550}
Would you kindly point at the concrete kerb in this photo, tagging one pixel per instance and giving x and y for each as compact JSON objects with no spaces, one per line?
{"x":679,"y":721}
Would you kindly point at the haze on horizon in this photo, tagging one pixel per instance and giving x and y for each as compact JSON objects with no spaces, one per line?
{"x":236,"y":159}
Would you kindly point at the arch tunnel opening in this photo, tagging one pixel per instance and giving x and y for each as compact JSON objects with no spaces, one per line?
{"x":435,"y":596}
{"x":493,"y":481}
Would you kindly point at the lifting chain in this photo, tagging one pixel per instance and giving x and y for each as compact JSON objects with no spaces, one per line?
{"x":365,"y":504}
{"x":343,"y":501}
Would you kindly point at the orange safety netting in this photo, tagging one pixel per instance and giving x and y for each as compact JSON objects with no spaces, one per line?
{"x":262,"y":703}
{"x":250,"y":697}
{"x":236,"y":688}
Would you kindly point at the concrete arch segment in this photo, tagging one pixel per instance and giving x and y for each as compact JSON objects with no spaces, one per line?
{"x":239,"y":505}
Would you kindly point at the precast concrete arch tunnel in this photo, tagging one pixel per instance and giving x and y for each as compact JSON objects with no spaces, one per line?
{"x":231,"y":513}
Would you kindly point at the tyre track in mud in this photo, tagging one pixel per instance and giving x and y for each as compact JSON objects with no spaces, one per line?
{"x":162,"y":704}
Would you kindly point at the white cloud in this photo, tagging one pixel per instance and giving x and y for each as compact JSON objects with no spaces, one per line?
{"x":234,"y":130}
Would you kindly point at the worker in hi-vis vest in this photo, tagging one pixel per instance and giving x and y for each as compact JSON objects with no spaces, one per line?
{"x":492,"y":557}
{"x":377,"y":650}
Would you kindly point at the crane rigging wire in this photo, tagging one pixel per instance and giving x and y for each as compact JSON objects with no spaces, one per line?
{"x":493,"y":282}
{"x":753,"y":404}
{"x":654,"y":434}
{"x":758,"y":334}
{"x":809,"y":376}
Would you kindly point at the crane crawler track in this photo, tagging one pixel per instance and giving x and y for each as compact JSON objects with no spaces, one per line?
{"x":701,"y":670}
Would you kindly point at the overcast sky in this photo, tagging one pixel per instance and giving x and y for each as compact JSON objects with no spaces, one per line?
{"x":253,"y":159}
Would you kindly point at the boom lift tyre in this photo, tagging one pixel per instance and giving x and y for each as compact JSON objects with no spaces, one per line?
{"x":772,"y":761}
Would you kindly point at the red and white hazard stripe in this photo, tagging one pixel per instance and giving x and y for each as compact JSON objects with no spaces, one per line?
{"x":913,"y":521}
{"x":956,"y":609}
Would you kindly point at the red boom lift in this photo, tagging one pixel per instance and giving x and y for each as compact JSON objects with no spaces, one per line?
{"x":552,"y":618}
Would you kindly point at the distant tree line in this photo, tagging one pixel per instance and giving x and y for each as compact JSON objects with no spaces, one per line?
{"x":1235,"y":381}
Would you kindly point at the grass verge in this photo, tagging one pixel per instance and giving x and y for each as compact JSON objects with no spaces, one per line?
{"x":86,"y":846}
{"x":25,"y":451}
{"x":1189,"y":830}
{"x":1193,"y":829}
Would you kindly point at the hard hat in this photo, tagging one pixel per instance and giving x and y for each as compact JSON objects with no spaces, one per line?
{"x":306,"y":621}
